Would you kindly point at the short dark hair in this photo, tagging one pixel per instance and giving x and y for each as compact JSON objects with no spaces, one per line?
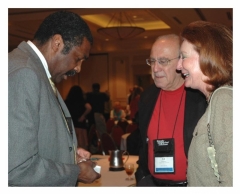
{"x":96,"y":86}
{"x":69,"y":25}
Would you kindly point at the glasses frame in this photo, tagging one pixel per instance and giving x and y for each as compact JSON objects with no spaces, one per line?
{"x":160,"y":62}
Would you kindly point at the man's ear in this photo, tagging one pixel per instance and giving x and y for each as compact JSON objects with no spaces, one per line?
{"x":57,"y":42}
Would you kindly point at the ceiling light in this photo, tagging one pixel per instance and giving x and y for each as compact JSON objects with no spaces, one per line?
{"x":121,"y":27}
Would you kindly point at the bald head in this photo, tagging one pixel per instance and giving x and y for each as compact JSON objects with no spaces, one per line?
{"x":167,"y":45}
{"x":164,"y":74}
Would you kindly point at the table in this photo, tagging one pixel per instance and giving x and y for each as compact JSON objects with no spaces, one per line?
{"x":111,"y":178}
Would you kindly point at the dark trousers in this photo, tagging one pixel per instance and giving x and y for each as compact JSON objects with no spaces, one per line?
{"x":150,"y":181}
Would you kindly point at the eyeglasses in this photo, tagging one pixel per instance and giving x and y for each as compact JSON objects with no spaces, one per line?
{"x":161,"y":61}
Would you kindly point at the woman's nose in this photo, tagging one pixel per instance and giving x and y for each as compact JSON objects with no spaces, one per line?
{"x":179,"y":64}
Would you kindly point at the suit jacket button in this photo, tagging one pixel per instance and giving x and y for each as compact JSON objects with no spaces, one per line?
{"x":70,"y":149}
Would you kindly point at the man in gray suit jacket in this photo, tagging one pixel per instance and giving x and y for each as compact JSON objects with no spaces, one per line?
{"x":42,"y":145}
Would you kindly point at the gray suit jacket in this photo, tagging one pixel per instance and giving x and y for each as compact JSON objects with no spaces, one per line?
{"x":41,"y":149}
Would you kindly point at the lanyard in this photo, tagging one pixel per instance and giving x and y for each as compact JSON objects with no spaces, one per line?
{"x":160,"y":106}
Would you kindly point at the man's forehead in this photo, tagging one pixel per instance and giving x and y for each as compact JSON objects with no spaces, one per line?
{"x":165,"y":46}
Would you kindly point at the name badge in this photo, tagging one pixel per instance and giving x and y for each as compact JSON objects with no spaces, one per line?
{"x":164,"y":156}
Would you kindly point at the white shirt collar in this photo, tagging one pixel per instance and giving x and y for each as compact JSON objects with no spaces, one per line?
{"x":43,"y":60}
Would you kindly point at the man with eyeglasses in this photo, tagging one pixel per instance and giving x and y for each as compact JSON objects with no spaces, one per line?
{"x":168,"y":114}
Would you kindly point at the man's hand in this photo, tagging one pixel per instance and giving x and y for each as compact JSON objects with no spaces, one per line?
{"x":87,"y":173}
{"x":82,"y":154}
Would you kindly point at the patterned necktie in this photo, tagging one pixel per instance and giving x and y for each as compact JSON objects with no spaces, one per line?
{"x":65,"y":119}
{"x":53,"y":86}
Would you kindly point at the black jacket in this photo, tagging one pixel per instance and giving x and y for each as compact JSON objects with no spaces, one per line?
{"x":195,"y":107}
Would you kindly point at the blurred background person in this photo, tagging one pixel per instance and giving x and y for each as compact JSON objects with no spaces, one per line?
{"x":135,"y":97}
{"x":129,"y":95}
{"x":79,"y":109}
{"x":107,"y":107}
{"x":129,"y":98}
{"x":117,"y":113}
{"x":97,"y":100}
{"x":134,"y":139}
{"x":206,"y":64}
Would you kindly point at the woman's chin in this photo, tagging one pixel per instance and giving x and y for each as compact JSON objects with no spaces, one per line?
{"x":187,"y":84}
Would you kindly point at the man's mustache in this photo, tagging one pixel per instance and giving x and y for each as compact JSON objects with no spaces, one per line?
{"x":71,"y":73}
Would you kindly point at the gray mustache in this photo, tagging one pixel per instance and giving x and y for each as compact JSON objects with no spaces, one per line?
{"x":71,"y":73}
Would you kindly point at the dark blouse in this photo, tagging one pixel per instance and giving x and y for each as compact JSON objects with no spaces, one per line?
{"x":76,"y":110}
